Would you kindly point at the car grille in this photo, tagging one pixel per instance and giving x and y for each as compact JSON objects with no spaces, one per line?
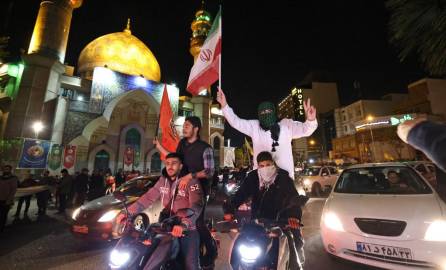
{"x":385,"y":259}
{"x":381,"y":227}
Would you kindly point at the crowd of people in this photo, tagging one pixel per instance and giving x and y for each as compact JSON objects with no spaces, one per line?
{"x":61,"y":191}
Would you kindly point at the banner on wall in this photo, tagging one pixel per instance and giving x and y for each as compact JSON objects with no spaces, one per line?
{"x":69,"y":156}
{"x":34,"y":154}
{"x":55,"y":157}
{"x":128,"y":156}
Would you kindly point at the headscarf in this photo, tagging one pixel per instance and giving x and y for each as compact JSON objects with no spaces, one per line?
{"x":268,"y":121}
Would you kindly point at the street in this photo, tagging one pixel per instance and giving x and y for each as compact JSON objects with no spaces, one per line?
{"x":48,"y":244}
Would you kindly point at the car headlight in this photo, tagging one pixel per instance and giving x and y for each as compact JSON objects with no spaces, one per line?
{"x":436,"y":231}
{"x":332,"y":221}
{"x":249,"y":254}
{"x":118,"y":258}
{"x":75,"y":213}
{"x":109,"y":216}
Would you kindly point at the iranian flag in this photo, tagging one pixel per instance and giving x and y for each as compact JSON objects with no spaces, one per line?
{"x":207,"y":65}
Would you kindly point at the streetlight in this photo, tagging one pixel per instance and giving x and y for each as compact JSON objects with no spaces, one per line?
{"x":37,"y":127}
{"x":370,"y":119}
{"x":312,"y":142}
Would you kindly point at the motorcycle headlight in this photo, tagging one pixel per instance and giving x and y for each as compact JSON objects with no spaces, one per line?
{"x":76,"y":213}
{"x":249,"y":254}
{"x":332,"y":221}
{"x":435,"y":231}
{"x":109,"y":216}
{"x":118,"y":258}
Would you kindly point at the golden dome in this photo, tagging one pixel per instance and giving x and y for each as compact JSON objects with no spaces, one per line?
{"x":122,"y":52}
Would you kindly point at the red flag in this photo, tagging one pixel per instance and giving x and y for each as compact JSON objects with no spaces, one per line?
{"x":170,"y":137}
{"x":69,"y":156}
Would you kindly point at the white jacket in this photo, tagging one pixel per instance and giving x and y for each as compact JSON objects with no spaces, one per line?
{"x":262,"y":141}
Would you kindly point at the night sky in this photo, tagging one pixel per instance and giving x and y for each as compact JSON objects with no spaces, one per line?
{"x":268,"y":46}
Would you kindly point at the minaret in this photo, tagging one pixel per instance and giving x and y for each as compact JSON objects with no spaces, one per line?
{"x":52,"y":26}
{"x":202,"y":104}
{"x":200,"y":27}
{"x":38,"y":96}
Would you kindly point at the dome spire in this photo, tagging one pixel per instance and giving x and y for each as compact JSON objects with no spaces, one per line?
{"x":127,"y":29}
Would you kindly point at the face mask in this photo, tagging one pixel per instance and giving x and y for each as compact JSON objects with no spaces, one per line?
{"x":267,"y":175}
{"x":267,"y":115}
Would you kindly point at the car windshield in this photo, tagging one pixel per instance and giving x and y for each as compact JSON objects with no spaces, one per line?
{"x":381,"y":180}
{"x":311,"y":171}
{"x":136,"y":187}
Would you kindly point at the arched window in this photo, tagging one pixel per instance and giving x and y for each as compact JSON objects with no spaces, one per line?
{"x":155,"y":163}
{"x":101,"y":160}
{"x":216,"y":145}
{"x":133,"y":140}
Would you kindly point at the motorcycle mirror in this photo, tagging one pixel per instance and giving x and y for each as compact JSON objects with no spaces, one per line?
{"x":185,"y":212}
{"x":119,"y":196}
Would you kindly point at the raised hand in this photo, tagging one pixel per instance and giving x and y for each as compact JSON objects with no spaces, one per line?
{"x":221,"y":98}
{"x":310,"y":110}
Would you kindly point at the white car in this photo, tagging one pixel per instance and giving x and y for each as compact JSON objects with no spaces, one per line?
{"x":317,"y":179}
{"x":385,"y":215}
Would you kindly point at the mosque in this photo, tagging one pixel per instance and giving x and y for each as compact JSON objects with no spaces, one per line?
{"x":107,"y":104}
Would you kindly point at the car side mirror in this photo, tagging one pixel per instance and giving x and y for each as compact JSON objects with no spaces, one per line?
{"x":120,"y":196}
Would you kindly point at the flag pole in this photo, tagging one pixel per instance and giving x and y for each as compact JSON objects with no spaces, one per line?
{"x":221,"y":52}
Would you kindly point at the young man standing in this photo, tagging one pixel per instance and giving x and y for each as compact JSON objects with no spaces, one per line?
{"x":173,"y":198}
{"x":199,"y":164}
{"x":8,"y":188}
{"x":270,"y":134}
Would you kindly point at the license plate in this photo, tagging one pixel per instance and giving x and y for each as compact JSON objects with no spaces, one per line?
{"x":80,"y":229}
{"x":388,"y":251}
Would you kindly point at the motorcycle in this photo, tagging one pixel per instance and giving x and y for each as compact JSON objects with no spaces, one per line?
{"x":264,"y":243}
{"x":147,"y":246}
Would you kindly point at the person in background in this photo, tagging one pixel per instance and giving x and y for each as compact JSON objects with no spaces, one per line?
{"x":95,"y":186}
{"x":43,"y":196}
{"x":65,"y":187}
{"x":81,"y":187}
{"x":8,"y":188}
{"x":27,"y":182}
{"x":119,"y":177}
{"x":110,"y":183}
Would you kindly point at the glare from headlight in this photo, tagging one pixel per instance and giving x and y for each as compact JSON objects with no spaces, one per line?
{"x":307,"y":182}
{"x":109,"y":216}
{"x":76,"y":213}
{"x":118,"y":258}
{"x":230,"y":187}
{"x":249,"y":254}
{"x":436,"y":231}
{"x":332,"y":221}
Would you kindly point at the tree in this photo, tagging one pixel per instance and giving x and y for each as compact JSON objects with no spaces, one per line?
{"x":419,"y":26}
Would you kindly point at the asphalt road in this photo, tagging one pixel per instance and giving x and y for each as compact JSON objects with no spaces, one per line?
{"x":48,"y":244}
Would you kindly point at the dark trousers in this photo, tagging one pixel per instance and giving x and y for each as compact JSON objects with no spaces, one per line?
{"x":206,"y":240}
{"x":63,"y":202}
{"x":27,"y":200}
{"x":4,"y":209}
{"x":79,"y":198}
{"x":190,"y":250}
{"x":42,"y":201}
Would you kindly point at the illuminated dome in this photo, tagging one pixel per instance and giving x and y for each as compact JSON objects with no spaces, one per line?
{"x":120,"y":52}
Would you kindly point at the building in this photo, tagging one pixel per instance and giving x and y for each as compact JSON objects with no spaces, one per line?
{"x":346,"y":117}
{"x":107,"y":111}
{"x":425,"y":96}
{"x":324,"y":96}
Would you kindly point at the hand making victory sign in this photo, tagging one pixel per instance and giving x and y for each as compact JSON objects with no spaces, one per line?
{"x":310,"y":110}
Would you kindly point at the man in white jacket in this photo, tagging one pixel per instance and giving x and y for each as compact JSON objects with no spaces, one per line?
{"x":268,"y":134}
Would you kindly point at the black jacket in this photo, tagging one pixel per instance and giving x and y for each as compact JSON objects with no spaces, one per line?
{"x":267,"y":203}
{"x":430,"y":138}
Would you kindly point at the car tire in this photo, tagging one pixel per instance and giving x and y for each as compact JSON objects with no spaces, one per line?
{"x":316,"y":189}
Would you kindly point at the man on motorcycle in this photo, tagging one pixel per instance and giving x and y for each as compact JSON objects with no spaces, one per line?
{"x":173,"y":199}
{"x":271,"y":189}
